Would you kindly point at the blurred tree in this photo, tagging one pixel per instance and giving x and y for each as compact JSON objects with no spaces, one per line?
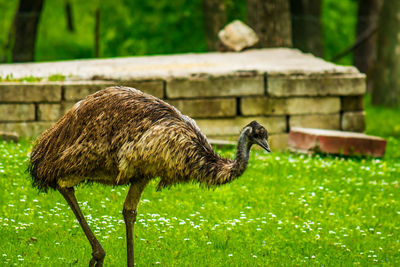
{"x":306,"y":25}
{"x":367,"y":23}
{"x":386,"y":85}
{"x":23,"y":30}
{"x":97,"y":33}
{"x":214,"y":21}
{"x":69,"y":16}
{"x":271,"y":21}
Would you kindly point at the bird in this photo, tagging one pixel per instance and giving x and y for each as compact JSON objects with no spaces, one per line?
{"x":123,"y":136}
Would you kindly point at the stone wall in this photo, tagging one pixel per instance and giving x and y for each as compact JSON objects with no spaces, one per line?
{"x":220,"y":104}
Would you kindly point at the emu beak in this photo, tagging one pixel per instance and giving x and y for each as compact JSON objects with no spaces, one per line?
{"x":264,"y":144}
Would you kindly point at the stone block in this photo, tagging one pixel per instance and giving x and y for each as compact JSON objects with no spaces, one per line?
{"x":17,"y":112}
{"x":233,"y":126}
{"x":336,"y":142}
{"x":30,"y":92}
{"x":263,"y":106}
{"x":278,"y":141}
{"x":77,"y":90}
{"x":27,"y":129}
{"x":328,"y":121}
{"x":50,"y":112}
{"x":353,"y":121}
{"x":154,"y":88}
{"x":352,"y":103}
{"x":282,"y":106}
{"x":206,"y":108}
{"x":208,"y":86}
{"x":313,"y":85}
{"x":67,"y":105}
{"x":9,"y":136}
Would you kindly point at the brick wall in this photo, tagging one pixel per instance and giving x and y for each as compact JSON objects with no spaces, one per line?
{"x":221,"y":104}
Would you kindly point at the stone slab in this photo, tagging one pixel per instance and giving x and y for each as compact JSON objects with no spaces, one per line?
{"x":352,"y":103}
{"x":77,"y":90}
{"x":233,"y":126}
{"x":17,"y":112}
{"x":315,"y":85}
{"x":27,"y":129}
{"x":210,"y":86}
{"x":290,"y":106}
{"x":50,"y":112}
{"x":353,"y":121}
{"x":30,"y":92}
{"x":206,"y":108}
{"x":154,"y":88}
{"x":328,"y":121}
{"x":276,"y":141}
{"x":9,"y":136}
{"x":269,"y":60}
{"x":336,"y":142}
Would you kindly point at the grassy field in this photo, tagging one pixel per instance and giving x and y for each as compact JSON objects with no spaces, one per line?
{"x":286,"y":210}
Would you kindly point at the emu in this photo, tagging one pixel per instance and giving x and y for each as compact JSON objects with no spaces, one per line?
{"x":122,"y":136}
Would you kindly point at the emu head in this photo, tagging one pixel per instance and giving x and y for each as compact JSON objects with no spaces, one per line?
{"x":257,"y":134}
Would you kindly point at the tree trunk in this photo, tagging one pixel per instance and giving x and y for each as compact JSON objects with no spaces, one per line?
{"x":306,"y":25}
{"x":367,"y":21}
{"x":271,"y":21}
{"x":214,"y":21}
{"x":69,"y":16}
{"x":97,"y":33}
{"x":24,"y":30}
{"x":386,"y":87}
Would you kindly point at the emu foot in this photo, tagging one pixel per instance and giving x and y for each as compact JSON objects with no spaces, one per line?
{"x":98,"y":255}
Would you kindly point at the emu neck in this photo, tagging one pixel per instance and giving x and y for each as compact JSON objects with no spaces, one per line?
{"x":242,"y":156}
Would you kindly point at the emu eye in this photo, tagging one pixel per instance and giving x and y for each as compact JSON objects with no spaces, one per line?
{"x":257,"y":135}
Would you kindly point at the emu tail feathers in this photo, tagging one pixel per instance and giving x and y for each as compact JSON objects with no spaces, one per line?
{"x":38,"y":180}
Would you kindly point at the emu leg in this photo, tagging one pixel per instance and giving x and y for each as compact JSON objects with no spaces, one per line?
{"x":130,"y":211}
{"x":98,"y":252}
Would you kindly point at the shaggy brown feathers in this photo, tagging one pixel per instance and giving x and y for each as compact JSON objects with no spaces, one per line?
{"x":121,"y":135}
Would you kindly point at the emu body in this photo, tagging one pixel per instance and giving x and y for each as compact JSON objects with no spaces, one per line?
{"x":121,"y":136}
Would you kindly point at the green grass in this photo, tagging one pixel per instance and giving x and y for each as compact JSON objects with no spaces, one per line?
{"x":382,"y":121}
{"x":286,"y":210}
{"x":32,"y":79}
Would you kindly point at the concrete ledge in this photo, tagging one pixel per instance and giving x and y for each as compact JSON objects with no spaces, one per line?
{"x":274,"y":61}
{"x":336,"y":142}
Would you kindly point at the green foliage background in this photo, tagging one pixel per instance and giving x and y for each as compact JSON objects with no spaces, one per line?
{"x":135,"y":27}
